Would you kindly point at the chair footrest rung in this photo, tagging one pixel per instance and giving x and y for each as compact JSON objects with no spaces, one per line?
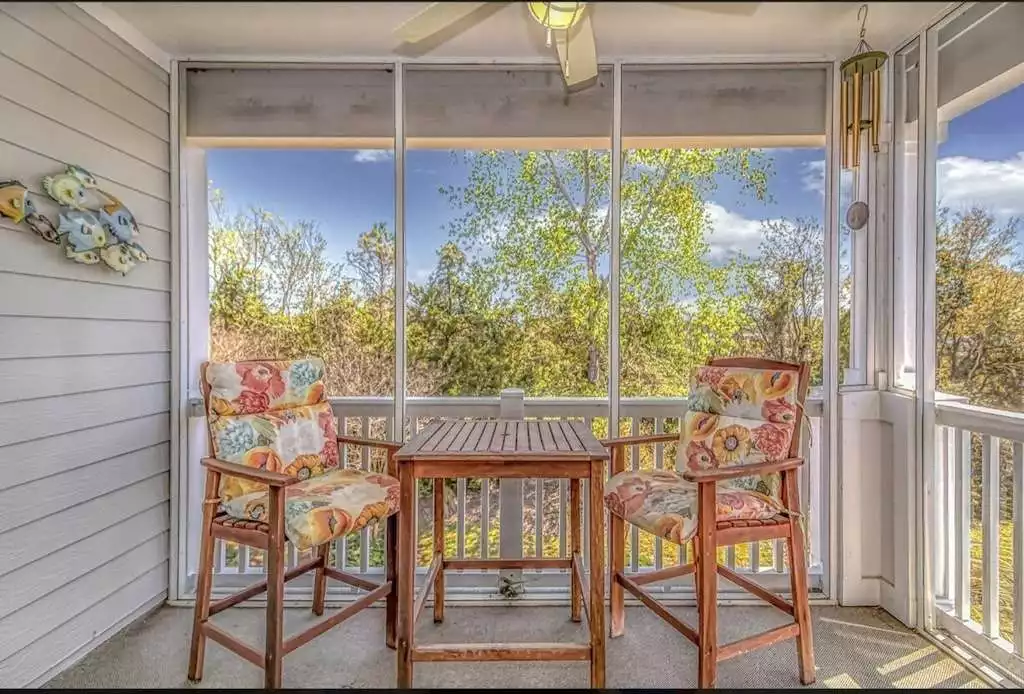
{"x":752,"y":643}
{"x":334,"y":620}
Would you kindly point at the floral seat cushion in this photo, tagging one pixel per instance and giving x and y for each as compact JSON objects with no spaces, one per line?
{"x":663,"y":503}
{"x":329,"y":506}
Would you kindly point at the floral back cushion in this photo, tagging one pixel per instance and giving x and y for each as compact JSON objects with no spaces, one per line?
{"x":259,"y":418}
{"x":769,"y":395}
{"x":246,"y":387}
{"x":740,"y":416}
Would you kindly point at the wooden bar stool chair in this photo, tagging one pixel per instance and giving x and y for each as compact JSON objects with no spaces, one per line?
{"x":275,"y":478}
{"x":736,"y":482}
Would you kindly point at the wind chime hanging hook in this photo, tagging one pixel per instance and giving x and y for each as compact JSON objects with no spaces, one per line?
{"x":861,"y":72}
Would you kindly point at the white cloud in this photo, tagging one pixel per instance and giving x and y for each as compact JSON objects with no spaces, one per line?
{"x":373,"y":155}
{"x":813,"y":178}
{"x":731,"y":233}
{"x":997,"y":186}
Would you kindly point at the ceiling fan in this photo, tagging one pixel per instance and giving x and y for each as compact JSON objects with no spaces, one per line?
{"x":568,"y":27}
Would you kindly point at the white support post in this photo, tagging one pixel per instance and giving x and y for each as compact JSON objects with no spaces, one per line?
{"x":398,"y":423}
{"x":510,"y":496}
{"x":615,"y":253}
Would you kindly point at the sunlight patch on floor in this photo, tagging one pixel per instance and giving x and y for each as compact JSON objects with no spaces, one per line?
{"x":894,"y":665}
{"x":842,"y":681}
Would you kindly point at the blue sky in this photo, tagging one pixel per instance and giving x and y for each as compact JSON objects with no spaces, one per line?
{"x":346,"y":191}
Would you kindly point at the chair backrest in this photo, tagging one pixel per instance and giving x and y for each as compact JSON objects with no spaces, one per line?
{"x":269,"y":414}
{"x":743,"y":411}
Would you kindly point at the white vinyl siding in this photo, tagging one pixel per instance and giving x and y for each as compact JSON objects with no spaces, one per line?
{"x":85,"y":356}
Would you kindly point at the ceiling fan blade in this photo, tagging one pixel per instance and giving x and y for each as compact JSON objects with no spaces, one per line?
{"x":730,"y":8}
{"x":577,"y":54}
{"x":433,"y":18}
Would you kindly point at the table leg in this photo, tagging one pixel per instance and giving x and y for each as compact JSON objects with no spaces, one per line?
{"x":575,"y":546}
{"x":406,"y":573}
{"x":439,"y":549}
{"x":597,"y":551}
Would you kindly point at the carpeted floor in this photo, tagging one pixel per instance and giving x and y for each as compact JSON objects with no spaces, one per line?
{"x":854,"y":647}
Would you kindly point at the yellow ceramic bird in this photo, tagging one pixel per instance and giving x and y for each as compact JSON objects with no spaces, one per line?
{"x":14,"y":200}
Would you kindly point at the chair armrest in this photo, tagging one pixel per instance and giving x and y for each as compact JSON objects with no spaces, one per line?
{"x":633,"y":440}
{"x":390,"y":446}
{"x":728,"y":473}
{"x":273,"y":479}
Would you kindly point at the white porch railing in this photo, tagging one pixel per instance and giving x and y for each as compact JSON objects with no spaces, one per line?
{"x":529,"y":519}
{"x":978,"y":555}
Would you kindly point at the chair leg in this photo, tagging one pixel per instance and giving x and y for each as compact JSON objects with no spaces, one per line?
{"x":696,"y":566}
{"x":391,"y":574}
{"x":204,"y":583}
{"x":798,"y":581}
{"x":439,"y":547}
{"x":707,"y":582}
{"x":617,"y":565}
{"x":575,"y":547}
{"x":323,"y":552}
{"x":275,"y":591}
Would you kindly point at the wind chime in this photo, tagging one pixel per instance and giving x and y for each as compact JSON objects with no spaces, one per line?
{"x":860,"y":96}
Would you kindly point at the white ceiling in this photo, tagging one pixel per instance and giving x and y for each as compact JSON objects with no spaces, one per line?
{"x":306,"y":30}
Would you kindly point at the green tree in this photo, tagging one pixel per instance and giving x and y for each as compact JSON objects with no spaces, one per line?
{"x":539,"y":224}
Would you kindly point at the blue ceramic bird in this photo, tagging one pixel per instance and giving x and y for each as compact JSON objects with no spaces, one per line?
{"x":119,"y":222}
{"x":82,"y":231}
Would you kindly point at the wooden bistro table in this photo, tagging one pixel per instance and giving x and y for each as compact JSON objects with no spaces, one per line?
{"x":501,"y":449}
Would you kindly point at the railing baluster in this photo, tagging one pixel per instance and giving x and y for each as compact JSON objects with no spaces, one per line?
{"x":634,"y":532}
{"x":1018,"y":548}
{"x":219,"y":557}
{"x":938,"y":546}
{"x":485,"y":518}
{"x":538,"y":530}
{"x":990,"y":535}
{"x":949,"y":490}
{"x":659,"y":464}
{"x":963,"y":524}
{"x":460,"y":528}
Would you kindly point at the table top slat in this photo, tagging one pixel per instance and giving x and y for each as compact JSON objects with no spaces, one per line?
{"x":569,"y":430}
{"x":446,"y":441}
{"x":508,"y":440}
{"x":561,"y":443}
{"x":433,"y":434}
{"x":475,"y":432}
{"x":502,"y":440}
{"x":533,"y":434}
{"x":459,"y":442}
{"x":587,"y":439}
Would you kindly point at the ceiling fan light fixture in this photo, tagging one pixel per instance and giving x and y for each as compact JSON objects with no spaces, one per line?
{"x":558,"y":16}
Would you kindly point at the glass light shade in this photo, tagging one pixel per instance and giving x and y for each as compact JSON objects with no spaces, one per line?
{"x":556,"y":15}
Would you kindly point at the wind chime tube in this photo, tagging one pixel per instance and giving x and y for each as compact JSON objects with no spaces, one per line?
{"x":844,"y":109}
{"x":876,"y":106}
{"x":857,"y":107}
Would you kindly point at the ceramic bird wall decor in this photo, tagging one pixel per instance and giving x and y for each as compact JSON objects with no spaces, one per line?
{"x":93,"y":226}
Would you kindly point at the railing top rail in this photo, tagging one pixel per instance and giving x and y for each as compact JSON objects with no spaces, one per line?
{"x":458,"y":406}
{"x":983,"y":420}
